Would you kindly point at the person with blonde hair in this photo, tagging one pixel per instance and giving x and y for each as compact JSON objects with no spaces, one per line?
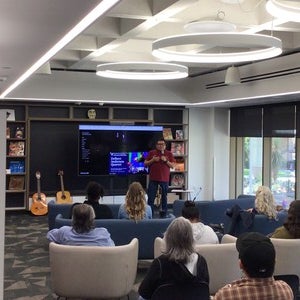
{"x":179,"y":264}
{"x":265,"y":203}
{"x":135,"y":206}
{"x":82,"y":231}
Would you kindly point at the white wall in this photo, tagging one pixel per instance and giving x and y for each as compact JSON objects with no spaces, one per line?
{"x":2,"y":194}
{"x":221,"y":142}
{"x":209,"y":152}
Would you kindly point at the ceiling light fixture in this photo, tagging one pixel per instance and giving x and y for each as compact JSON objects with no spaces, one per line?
{"x":142,"y":71}
{"x":232,"y":1}
{"x":255,"y":47}
{"x":209,"y":26}
{"x":283,"y":9}
{"x":93,"y":15}
{"x":232,"y":76}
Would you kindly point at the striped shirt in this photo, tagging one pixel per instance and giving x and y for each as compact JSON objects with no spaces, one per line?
{"x":255,"y":289}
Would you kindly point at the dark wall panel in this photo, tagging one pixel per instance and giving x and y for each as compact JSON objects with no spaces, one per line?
{"x":54,"y":147}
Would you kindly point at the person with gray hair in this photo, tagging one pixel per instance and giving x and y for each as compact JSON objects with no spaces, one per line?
{"x":179,"y":263}
{"x":82,"y":231}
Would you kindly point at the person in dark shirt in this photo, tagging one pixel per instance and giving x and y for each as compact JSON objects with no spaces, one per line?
{"x":179,"y":264}
{"x":95,"y":192}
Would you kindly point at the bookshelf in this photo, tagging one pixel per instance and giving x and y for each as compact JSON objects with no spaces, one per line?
{"x":175,"y":123}
{"x":16,"y":159}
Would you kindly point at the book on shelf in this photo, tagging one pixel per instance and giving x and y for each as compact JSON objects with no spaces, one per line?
{"x":16,"y":183}
{"x":177,"y":180}
{"x":177,"y":148}
{"x":167,"y":134}
{"x":179,"y":165}
{"x":179,"y":134}
{"x":16,"y":148}
{"x":7,"y":132}
{"x":17,"y":166}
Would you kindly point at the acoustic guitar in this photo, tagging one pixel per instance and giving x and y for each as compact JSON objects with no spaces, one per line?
{"x":63,"y":196}
{"x":39,"y":205}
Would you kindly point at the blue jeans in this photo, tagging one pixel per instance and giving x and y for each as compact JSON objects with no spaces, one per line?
{"x":152,"y":190}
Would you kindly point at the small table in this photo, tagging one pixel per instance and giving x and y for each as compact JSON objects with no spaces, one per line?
{"x":184,"y":194}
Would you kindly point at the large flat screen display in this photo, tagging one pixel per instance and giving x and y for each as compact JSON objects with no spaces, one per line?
{"x":115,"y":149}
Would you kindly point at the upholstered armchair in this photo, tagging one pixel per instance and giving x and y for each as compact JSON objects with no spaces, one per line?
{"x":93,"y":271}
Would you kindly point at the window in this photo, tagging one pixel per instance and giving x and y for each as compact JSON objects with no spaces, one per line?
{"x":283,"y":169}
{"x":252,"y":164}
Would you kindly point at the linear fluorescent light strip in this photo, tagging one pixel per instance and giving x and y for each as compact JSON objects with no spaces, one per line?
{"x":93,"y":15}
{"x":142,"y":71}
{"x":284,"y":10}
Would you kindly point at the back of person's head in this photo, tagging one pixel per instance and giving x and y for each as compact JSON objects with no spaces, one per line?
{"x":190,"y":211}
{"x":83,"y":216}
{"x":257,"y":254}
{"x":265,"y":203}
{"x":135,"y":201}
{"x":293,"y":219}
{"x":179,"y":240}
{"x":94,"y":191}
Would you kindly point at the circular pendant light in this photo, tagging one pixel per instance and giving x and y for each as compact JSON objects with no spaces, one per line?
{"x":209,"y":26}
{"x":289,"y":10}
{"x":219,"y":47}
{"x":142,"y":71}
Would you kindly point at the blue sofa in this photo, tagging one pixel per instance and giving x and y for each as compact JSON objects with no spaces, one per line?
{"x":214,"y":212}
{"x":123,"y":231}
{"x":65,"y":210}
{"x":261,"y":223}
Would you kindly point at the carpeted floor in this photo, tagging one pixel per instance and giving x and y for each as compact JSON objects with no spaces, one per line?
{"x":26,"y":265}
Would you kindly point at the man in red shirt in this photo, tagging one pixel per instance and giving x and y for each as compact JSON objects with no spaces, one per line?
{"x":159,"y":162}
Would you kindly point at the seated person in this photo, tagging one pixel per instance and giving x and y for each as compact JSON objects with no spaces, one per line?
{"x":135,"y":206}
{"x":257,"y":262}
{"x":291,"y":227}
{"x":82,"y":231}
{"x":203,"y":234}
{"x":94,"y":193}
{"x":179,"y":264}
{"x":264,"y":203}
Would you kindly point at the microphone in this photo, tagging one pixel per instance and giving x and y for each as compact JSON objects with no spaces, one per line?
{"x":162,"y":152}
{"x":200,"y":189}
